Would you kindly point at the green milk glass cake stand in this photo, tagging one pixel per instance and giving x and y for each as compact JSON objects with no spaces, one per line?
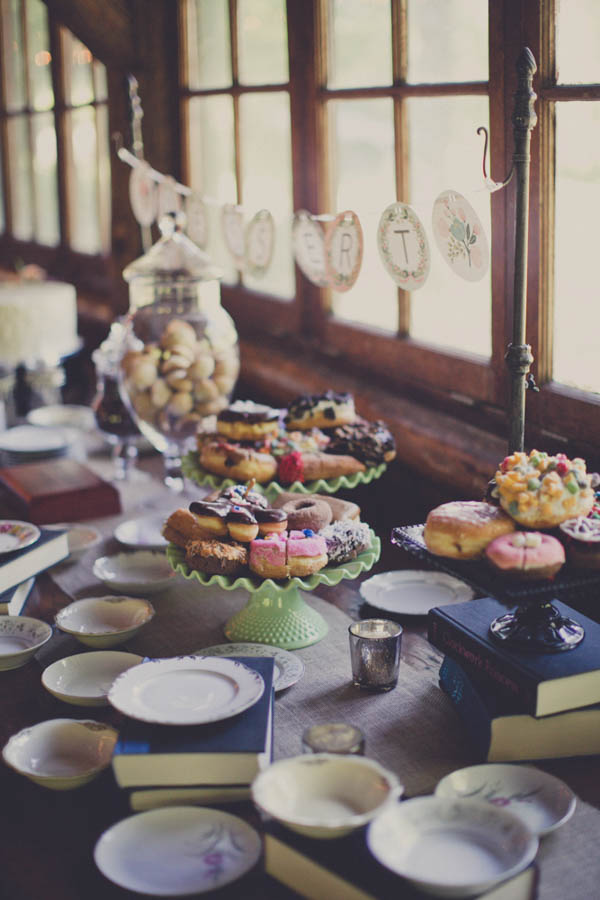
{"x":276,"y":612}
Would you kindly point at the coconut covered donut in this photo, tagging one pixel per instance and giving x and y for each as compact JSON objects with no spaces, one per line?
{"x":307,"y":512}
{"x":216,"y":557}
{"x":541,"y":491}
{"x":346,"y":539}
{"x":462,"y":529}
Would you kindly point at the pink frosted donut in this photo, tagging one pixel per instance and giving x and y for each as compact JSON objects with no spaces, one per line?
{"x":268,"y":556}
{"x":284,"y":555}
{"x":526,"y":554}
{"x":307,"y":552}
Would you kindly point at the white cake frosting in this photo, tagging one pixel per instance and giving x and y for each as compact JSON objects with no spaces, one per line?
{"x":38,"y":322}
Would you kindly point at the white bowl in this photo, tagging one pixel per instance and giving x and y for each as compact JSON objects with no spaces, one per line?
{"x":79,"y":538}
{"x":61,"y":753}
{"x":20,"y":638}
{"x":141,"y":572}
{"x":324,"y":795}
{"x":86,"y":678}
{"x":542,"y":801}
{"x":104,"y":621}
{"x":451,"y":848}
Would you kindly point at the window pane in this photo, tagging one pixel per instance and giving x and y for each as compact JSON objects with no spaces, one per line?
{"x":100,"y":82}
{"x":578,"y":42}
{"x":39,"y":58}
{"x":445,"y":154}
{"x":364,"y":181}
{"x":576,"y":307}
{"x":208,"y":44}
{"x":79,"y":75}
{"x":47,"y":229}
{"x":14,"y":55}
{"x":104,"y":185}
{"x":360,"y":48}
{"x":447,"y":41}
{"x":212,"y":167}
{"x":266,"y":162}
{"x":19,"y":166}
{"x":262,"y":36}
{"x":84,"y":231}
{"x":2,"y":212}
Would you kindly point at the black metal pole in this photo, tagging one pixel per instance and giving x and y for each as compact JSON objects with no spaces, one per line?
{"x":518,"y":355}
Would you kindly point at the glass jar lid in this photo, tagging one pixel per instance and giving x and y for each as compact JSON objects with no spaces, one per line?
{"x":173,"y":256}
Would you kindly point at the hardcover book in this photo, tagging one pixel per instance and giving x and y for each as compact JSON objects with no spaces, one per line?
{"x":141,"y":799}
{"x":536,"y":683}
{"x":13,"y":600}
{"x":51,"y":547}
{"x":58,"y":490}
{"x":230,"y":752}
{"x":499,"y":734}
{"x":345,"y":868}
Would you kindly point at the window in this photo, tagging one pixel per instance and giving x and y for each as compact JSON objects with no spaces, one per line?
{"x":384,"y":100}
{"x":54,"y":145}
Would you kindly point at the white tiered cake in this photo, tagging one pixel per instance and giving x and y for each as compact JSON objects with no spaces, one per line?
{"x":38,"y":322}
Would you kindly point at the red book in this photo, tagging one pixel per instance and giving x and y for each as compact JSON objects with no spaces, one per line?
{"x":60,"y":490}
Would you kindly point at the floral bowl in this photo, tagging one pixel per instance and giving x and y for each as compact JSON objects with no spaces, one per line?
{"x":104,"y":621}
{"x":20,"y":638}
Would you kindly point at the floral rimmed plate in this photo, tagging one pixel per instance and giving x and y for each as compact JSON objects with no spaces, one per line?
{"x":177,"y":851}
{"x":192,"y":469}
{"x":14,"y":535}
{"x":288,"y":668}
{"x":413,"y":593}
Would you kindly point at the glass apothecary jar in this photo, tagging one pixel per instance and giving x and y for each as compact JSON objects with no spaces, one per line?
{"x":182,"y":362}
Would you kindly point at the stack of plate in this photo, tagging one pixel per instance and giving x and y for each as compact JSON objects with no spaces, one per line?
{"x":31,"y":443}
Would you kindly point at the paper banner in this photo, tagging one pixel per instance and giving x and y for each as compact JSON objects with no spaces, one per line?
{"x":403,"y":246}
{"x":460,"y":236}
{"x":260,"y":242}
{"x":197,"y":222}
{"x":343,"y":251}
{"x":169,"y":199}
{"x":233,"y":232}
{"x":143,"y":194}
{"x":308,"y":242}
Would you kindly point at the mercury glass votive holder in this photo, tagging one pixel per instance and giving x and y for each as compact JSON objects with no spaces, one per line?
{"x":375,"y":653}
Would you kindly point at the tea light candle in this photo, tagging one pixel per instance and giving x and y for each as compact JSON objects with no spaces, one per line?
{"x":375,"y":653}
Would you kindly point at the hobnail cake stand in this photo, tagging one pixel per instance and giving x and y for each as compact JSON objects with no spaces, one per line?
{"x":276,"y":612}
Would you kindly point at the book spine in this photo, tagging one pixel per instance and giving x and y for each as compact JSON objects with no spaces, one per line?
{"x":479,"y":659}
{"x":468,"y":704}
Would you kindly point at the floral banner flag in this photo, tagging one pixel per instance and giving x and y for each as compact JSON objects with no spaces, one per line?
{"x":460,"y":236}
{"x":233,"y":232}
{"x":308,"y":241}
{"x":343,"y":251}
{"x":403,"y":246}
{"x":260,"y":242}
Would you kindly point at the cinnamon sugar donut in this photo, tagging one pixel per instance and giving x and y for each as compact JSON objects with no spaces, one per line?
{"x":307,"y":512}
{"x":462,"y":529}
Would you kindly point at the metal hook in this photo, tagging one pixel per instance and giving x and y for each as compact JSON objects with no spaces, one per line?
{"x":117,"y":138}
{"x":489,"y":183}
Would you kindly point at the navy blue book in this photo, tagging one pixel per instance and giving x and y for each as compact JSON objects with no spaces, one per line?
{"x":499,"y":734}
{"x":536,"y":683}
{"x":12,"y":601}
{"x":51,"y":547}
{"x":230,"y":752}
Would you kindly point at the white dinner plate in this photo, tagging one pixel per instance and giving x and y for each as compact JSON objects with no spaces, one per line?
{"x":412,"y":592}
{"x":141,"y":572}
{"x":34,"y":440}
{"x":14,"y":535}
{"x":85,"y":679}
{"x":70,"y":415}
{"x":186,"y":690}
{"x":176,"y":851}
{"x":542,"y":801}
{"x":143,"y":533}
{"x":288,"y":668}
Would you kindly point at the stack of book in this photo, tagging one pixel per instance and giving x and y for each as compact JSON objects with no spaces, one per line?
{"x":19,"y":568}
{"x":518,"y":705}
{"x":165,"y":765}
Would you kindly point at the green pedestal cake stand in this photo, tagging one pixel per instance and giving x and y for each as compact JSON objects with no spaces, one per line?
{"x":276,"y":612}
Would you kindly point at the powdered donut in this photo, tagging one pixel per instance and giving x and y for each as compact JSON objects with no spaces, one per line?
{"x":307,"y":512}
{"x":526,"y":554}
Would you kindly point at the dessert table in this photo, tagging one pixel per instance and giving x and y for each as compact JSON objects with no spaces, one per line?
{"x":48,"y":837}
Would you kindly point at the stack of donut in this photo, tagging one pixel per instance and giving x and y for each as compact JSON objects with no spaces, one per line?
{"x":516,"y":531}
{"x":318,"y":436}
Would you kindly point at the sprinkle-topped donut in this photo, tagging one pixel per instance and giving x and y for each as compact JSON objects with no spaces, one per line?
{"x":320,"y":411}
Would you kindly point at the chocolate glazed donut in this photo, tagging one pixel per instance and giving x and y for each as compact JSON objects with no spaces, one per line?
{"x":307,"y":512}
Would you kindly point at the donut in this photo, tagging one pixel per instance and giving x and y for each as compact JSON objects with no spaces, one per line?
{"x":245,"y":420}
{"x":462,"y":529}
{"x":268,"y":556}
{"x":541,"y":491}
{"x":216,"y":557}
{"x":340,"y":509}
{"x":345,"y":540}
{"x":581,"y":537}
{"x":285,"y":555}
{"x":307,"y":512}
{"x":271,"y":521}
{"x":526,"y":554}
{"x":240,"y":494}
{"x":320,"y":411}
{"x":370,"y":442}
{"x":237,"y":461}
{"x":221,"y":518}
{"x":211,"y":517}
{"x":182,"y":527}
{"x":308,"y":441}
{"x":298,"y":466}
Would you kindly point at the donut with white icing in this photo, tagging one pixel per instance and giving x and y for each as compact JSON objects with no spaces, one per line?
{"x":526,"y":554}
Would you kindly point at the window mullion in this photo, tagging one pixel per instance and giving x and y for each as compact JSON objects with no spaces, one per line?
{"x":5,"y":173}
{"x":400,"y":66}
{"x":233,"y":28}
{"x":63,"y":155}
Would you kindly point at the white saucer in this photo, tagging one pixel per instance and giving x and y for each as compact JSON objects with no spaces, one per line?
{"x":413,"y":593}
{"x":86,"y":678}
{"x":542,"y":801}
{"x":141,"y":572}
{"x":288,"y":668}
{"x":142,"y":533}
{"x":34,"y":440}
{"x":58,"y":414}
{"x":186,"y":690}
{"x":15,"y":535}
{"x":176,"y":851}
